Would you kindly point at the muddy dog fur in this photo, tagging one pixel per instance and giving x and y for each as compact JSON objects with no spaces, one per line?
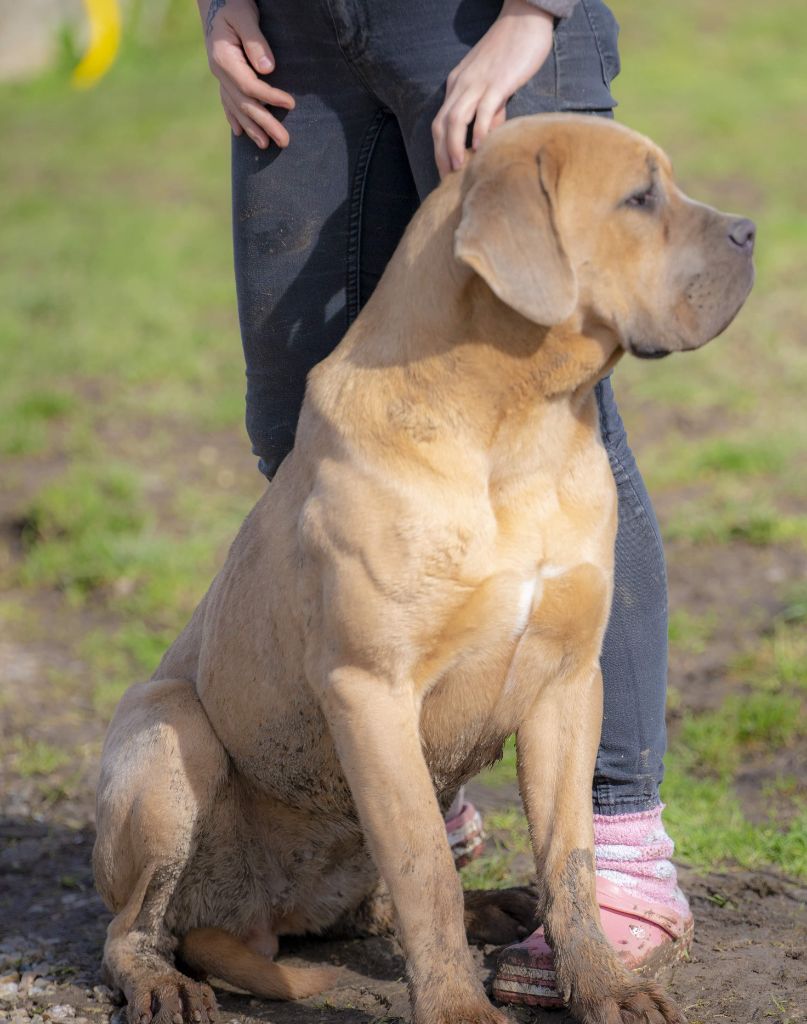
{"x":430,"y":571}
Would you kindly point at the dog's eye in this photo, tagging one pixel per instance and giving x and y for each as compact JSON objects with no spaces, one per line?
{"x":645,"y":199}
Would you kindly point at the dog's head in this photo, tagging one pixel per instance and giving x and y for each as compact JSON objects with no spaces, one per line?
{"x":568,"y":215}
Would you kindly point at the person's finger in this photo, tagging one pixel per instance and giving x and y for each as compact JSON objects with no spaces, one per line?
{"x":228,"y":61}
{"x":230,"y":99}
{"x":246,"y":107}
{"x":259,"y":137}
{"x":229,"y":113}
{"x":439,"y":139}
{"x":244,"y":22}
{"x":452,"y":77}
{"x":457,"y":118}
{"x":490,"y":105}
{"x":499,"y":117}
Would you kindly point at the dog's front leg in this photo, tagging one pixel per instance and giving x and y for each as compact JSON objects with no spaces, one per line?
{"x":556,"y":747}
{"x":556,"y":744}
{"x":374,"y":724}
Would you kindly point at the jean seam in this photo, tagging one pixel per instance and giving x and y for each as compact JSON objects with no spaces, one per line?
{"x":368,"y":144}
{"x":351,"y":63}
{"x":638,"y":505}
{"x":606,"y":74}
{"x":642,"y":510}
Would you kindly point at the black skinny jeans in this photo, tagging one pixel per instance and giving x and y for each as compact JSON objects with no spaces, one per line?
{"x":314,"y":226}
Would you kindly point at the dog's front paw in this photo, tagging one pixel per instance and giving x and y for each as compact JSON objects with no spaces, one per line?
{"x":500,"y":916}
{"x":638,"y":1002}
{"x":482,"y":1013}
{"x":172,"y":999}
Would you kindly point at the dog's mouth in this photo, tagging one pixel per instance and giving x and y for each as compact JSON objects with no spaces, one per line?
{"x":645,"y":352}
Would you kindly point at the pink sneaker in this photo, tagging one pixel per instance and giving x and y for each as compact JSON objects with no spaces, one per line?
{"x":647,"y":936}
{"x":465,"y":835}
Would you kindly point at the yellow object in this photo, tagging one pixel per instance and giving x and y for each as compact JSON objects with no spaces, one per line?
{"x":105,"y":32}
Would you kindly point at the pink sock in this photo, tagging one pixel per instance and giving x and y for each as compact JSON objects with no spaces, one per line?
{"x":633,"y":851}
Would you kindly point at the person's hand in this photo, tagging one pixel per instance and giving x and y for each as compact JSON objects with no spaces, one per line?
{"x":236,"y":50}
{"x":507,"y":56}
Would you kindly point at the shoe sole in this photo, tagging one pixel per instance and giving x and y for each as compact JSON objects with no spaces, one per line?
{"x":470,"y":849}
{"x":535,"y":986}
{"x":468,"y":841}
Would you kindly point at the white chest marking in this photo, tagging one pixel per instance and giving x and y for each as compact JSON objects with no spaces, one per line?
{"x":551,"y":572}
{"x":530,"y":594}
{"x":526,"y":597}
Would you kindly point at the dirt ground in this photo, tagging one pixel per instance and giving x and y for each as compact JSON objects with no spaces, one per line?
{"x":749,"y":961}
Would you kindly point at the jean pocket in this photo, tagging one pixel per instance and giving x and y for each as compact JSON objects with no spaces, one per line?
{"x":605,"y":29}
{"x":586,"y":58}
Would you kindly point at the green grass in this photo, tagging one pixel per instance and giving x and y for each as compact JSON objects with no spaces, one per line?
{"x":38,"y":758}
{"x":768,"y":713}
{"x":779,"y":661}
{"x":711,"y":830}
{"x":502,"y":771}
{"x":689,"y":632}
{"x":508,"y":847}
{"x":703,"y":814}
{"x":121,"y":295}
{"x":122,"y":371}
{"x":713,"y":743}
{"x":710,"y":459}
{"x":24,"y":431}
{"x":119,"y":339}
{"x":130,"y":653}
{"x":755,"y":522}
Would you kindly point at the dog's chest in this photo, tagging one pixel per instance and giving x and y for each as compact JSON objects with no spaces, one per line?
{"x":509,"y":648}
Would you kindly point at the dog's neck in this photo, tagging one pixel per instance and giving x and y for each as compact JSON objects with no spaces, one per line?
{"x":436,"y":350}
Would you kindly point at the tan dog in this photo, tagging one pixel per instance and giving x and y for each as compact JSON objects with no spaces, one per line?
{"x":429,"y":572}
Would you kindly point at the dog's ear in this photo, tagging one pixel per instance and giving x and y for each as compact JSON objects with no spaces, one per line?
{"x":508,"y":235}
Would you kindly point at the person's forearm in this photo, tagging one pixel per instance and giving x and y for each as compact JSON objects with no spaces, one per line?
{"x":207,"y":11}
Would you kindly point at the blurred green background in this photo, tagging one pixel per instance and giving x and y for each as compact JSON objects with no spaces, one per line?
{"x":126,"y":470}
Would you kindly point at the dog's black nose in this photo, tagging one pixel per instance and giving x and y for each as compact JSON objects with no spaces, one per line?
{"x":742,"y":233}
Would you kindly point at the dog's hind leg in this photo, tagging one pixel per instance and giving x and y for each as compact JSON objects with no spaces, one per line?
{"x":375,"y":915}
{"x":495,"y":916}
{"x":161,"y":770}
{"x":500,"y":916}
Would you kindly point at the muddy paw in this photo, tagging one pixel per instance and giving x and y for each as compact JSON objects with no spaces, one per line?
{"x":641,"y":1002}
{"x":500,"y":916}
{"x":469,"y":1015}
{"x":172,"y":999}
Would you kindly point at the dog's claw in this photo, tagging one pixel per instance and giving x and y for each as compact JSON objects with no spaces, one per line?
{"x":643,"y":1002}
{"x":173,"y":1000}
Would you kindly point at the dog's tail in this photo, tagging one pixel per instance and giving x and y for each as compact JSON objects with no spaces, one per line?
{"x":224,"y":956}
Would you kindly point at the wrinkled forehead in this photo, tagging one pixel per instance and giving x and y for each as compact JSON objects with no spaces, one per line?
{"x":612,"y":155}
{"x":587,"y":148}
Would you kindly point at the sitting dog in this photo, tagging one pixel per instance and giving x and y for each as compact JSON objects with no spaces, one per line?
{"x":429,"y":572}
